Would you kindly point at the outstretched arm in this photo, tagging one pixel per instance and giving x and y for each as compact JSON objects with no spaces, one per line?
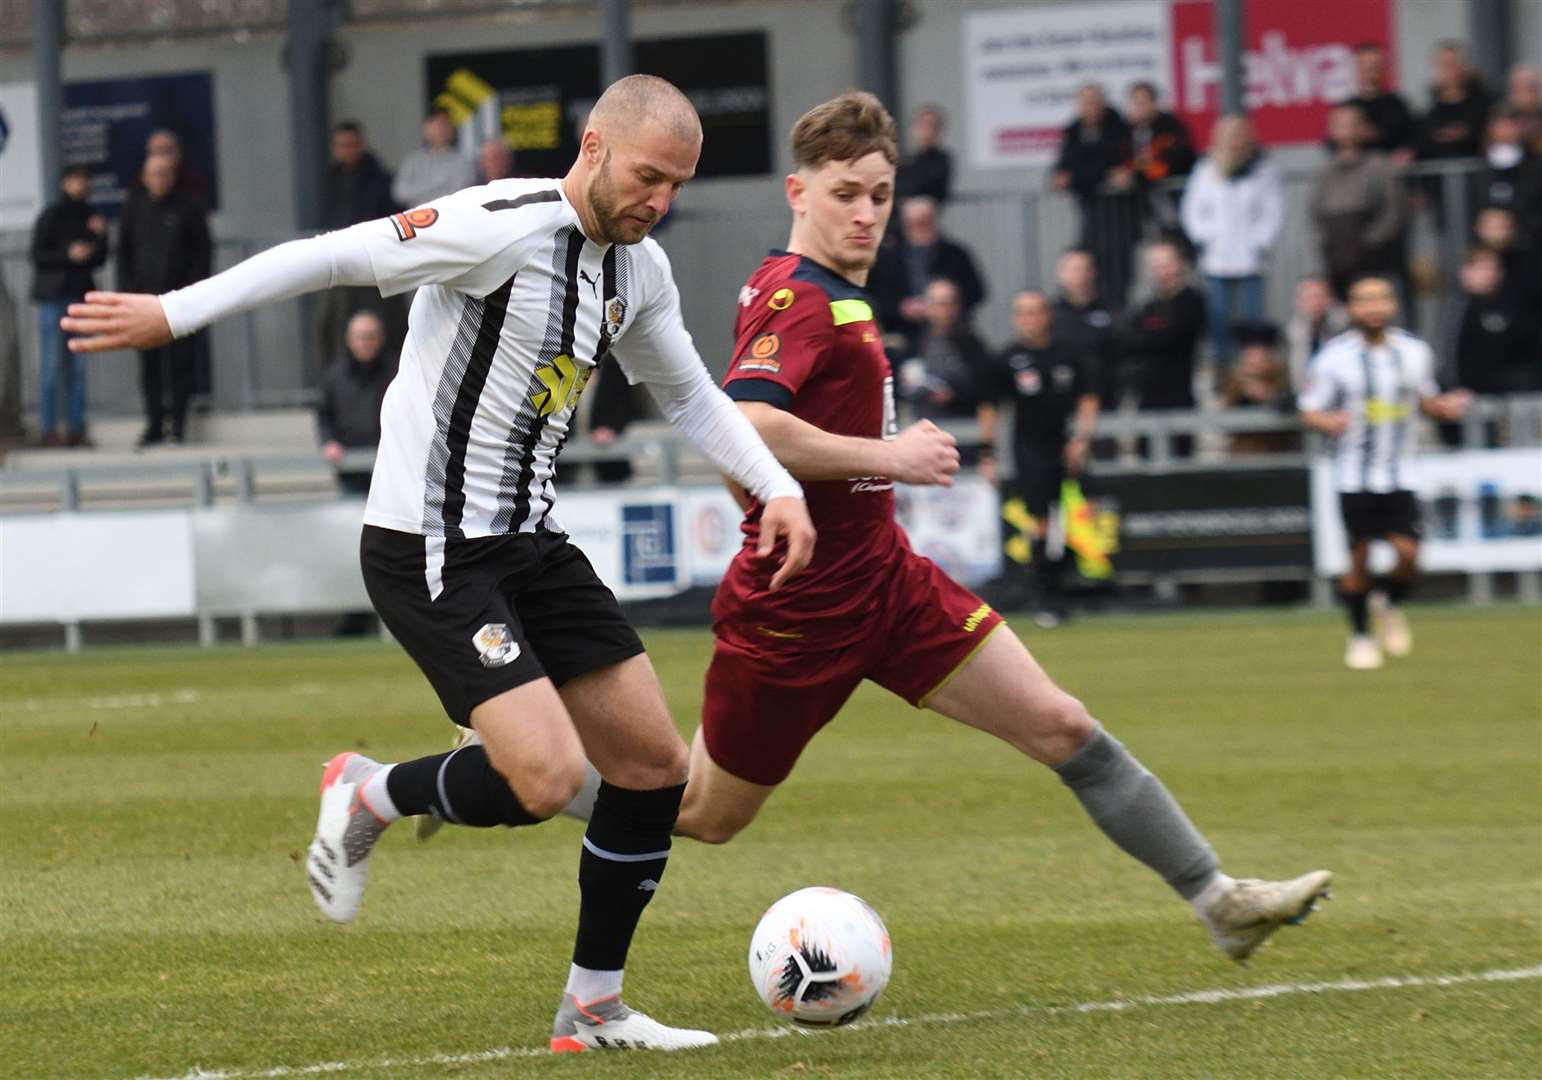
{"x":109,"y":320}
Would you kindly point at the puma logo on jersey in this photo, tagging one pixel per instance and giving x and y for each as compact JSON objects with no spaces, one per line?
{"x":562,"y":381}
{"x":747,"y":295}
{"x":594,"y":283}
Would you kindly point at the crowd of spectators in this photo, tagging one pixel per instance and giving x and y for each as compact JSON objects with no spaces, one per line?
{"x":1198,"y":235}
{"x":1196,"y":232}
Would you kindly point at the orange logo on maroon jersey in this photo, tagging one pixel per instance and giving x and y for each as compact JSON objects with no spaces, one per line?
{"x":408,"y":222}
{"x":762,"y":354}
{"x":781,"y":300}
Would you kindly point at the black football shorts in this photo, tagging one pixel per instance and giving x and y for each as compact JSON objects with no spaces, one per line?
{"x":1370,"y":515}
{"x":485,"y":615}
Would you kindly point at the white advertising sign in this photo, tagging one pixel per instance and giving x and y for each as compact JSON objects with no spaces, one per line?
{"x":20,"y":199}
{"x":61,"y":568}
{"x":1481,"y":511}
{"x":1023,"y":67}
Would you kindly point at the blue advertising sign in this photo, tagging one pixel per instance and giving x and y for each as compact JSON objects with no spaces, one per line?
{"x":107,"y":123}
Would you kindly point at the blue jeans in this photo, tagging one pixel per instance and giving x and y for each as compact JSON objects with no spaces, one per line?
{"x":54,"y":359}
{"x":1229,"y":300}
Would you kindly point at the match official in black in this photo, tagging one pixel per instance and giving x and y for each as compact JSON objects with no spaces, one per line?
{"x":1053,"y":389}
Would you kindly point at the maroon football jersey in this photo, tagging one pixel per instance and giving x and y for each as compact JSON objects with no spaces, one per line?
{"x":806,"y":341}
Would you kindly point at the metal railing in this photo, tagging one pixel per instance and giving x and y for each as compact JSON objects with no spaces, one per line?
{"x":659,"y":455}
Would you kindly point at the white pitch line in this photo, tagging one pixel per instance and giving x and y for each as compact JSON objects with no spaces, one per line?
{"x":185,"y":696}
{"x":1194,"y":997}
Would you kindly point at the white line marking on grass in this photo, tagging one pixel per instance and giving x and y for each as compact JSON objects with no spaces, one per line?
{"x":109,"y":701}
{"x":1194,"y":997}
{"x":185,"y":696}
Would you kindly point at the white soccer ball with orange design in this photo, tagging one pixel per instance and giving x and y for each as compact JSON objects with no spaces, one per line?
{"x":820,"y":957}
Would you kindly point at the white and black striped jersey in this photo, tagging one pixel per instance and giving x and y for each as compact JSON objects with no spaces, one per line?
{"x":515,"y":307}
{"x":1380,"y":387}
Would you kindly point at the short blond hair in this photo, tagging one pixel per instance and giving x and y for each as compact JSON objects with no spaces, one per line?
{"x":846,"y":128}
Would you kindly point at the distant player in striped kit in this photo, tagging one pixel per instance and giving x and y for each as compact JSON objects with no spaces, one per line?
{"x":523,"y":286}
{"x":1366,"y":389}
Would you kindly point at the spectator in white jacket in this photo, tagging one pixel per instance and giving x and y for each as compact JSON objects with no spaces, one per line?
{"x":1232,"y":210}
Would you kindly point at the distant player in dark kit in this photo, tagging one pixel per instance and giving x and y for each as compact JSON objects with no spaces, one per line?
{"x":1054,"y":394}
{"x":1365,"y":389}
{"x":523,"y":286}
{"x":810,"y":373}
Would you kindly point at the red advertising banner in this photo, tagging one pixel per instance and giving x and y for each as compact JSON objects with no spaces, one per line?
{"x":1300,"y":61}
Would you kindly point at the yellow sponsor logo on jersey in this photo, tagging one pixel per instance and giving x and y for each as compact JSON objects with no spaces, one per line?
{"x":976,"y":617}
{"x":1382,"y":411}
{"x":781,"y":300}
{"x":562,"y":381}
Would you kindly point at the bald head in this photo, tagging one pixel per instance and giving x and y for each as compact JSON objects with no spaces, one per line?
{"x":640,"y":146}
{"x":638,"y":101}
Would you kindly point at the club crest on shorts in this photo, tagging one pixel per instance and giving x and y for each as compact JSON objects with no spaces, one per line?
{"x":495,"y":645}
{"x":615,"y":312}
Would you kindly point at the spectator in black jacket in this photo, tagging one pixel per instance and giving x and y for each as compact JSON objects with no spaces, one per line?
{"x":1161,"y":338}
{"x":163,"y":244}
{"x":1496,"y":229}
{"x":1392,"y":128}
{"x":906,"y":265}
{"x":1085,"y":325}
{"x":1453,"y":128}
{"x":1459,"y":105}
{"x":928,"y":168}
{"x":1161,"y":150}
{"x":1513,"y":178}
{"x":941,"y":379}
{"x":1095,"y":166}
{"x":69,"y":241}
{"x":1497,"y":347}
{"x":352,"y":390}
{"x":357,"y":188}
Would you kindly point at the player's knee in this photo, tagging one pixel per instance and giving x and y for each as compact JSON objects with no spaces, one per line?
{"x":710,"y":828}
{"x":546,"y":793}
{"x":1063,"y":726}
{"x":551,"y":790}
{"x":718,"y":831}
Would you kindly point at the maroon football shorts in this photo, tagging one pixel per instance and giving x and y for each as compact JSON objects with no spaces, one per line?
{"x":768,"y":693}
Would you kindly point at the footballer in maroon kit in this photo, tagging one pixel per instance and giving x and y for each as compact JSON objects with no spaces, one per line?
{"x":809,"y":372}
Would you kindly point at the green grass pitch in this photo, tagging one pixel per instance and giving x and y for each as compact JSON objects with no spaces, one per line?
{"x":154,"y":920}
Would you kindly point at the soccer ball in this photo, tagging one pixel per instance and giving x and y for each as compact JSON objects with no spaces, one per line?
{"x":820,"y":957}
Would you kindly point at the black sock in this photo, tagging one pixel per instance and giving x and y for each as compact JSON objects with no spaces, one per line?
{"x":625,"y":851}
{"x":1395,"y":589}
{"x":1356,"y":603}
{"x":461,"y":786}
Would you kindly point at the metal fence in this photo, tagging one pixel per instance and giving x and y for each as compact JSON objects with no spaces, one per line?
{"x":260,"y":359}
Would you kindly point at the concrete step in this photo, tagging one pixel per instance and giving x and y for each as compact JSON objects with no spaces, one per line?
{"x":212,"y":436}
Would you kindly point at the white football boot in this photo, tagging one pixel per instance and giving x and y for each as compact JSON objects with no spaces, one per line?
{"x":1362,"y":653}
{"x":424,"y":826}
{"x":1392,"y":631}
{"x":337,"y":865}
{"x":607,"y":1024}
{"x":1243,"y":914}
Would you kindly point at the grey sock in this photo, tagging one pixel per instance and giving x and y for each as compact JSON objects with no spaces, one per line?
{"x":1136,"y":812}
{"x":582,"y":806}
